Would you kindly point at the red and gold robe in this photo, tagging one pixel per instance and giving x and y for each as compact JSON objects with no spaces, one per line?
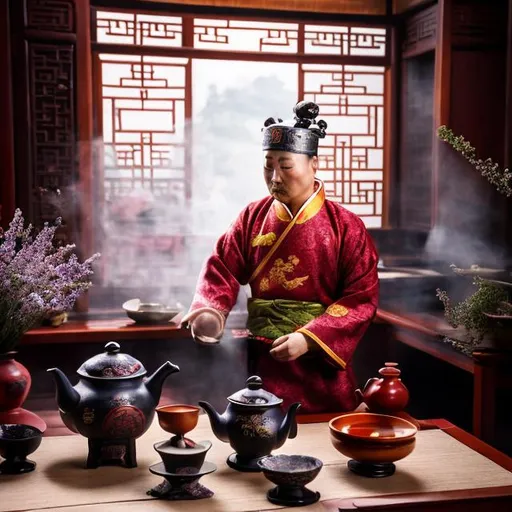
{"x":324,"y":254}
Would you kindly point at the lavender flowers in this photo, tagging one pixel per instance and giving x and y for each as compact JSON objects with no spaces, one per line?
{"x":36,"y":279}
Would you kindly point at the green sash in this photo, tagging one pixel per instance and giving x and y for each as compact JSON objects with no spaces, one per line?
{"x":274,"y":318}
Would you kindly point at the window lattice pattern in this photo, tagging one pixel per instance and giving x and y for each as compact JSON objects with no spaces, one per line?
{"x":255,"y":36}
{"x":143,"y":101}
{"x":138,"y":29}
{"x":351,"y":100}
{"x":345,"y":40}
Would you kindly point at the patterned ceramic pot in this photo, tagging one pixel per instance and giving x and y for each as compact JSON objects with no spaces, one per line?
{"x":254,"y":424}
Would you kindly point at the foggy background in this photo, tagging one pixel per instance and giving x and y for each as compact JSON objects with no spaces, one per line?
{"x":224,"y":140}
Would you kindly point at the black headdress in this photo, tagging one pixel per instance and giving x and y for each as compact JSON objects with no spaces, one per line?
{"x":298,"y":136}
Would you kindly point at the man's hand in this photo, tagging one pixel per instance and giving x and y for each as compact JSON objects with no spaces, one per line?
{"x":291,"y":346}
{"x":206,"y":325}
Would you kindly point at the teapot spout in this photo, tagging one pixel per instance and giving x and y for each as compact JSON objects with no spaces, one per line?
{"x":155,"y":383}
{"x":217,"y":422}
{"x":67,"y":396}
{"x":288,"y":426}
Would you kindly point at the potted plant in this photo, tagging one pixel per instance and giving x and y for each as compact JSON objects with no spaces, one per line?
{"x":489,"y":309}
{"x":37,"y":280}
{"x":484,"y":312}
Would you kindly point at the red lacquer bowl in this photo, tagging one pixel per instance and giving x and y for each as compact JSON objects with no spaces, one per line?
{"x":372,"y":438}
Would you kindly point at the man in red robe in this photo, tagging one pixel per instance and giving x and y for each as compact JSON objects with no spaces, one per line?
{"x":312,"y":269}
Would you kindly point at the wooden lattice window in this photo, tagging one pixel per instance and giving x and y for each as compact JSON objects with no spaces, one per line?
{"x":138,"y":29}
{"x":241,"y":35}
{"x":143,"y":123}
{"x":345,"y":40}
{"x":351,"y":99}
{"x":147,"y":97}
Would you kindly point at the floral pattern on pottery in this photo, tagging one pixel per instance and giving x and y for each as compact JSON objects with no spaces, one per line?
{"x":124,"y":422}
{"x":255,"y":425}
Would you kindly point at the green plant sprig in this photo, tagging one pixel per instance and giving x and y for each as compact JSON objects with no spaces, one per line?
{"x":499,"y":178}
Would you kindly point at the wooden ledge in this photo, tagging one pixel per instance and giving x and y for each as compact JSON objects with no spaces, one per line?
{"x":101,"y":331}
{"x":425,"y":332}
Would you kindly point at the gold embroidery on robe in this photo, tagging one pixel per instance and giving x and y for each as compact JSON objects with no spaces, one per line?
{"x":337,"y":310}
{"x":264,"y":240}
{"x":278,"y":273}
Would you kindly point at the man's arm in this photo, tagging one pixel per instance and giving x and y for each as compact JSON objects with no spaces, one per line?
{"x":219,"y":282}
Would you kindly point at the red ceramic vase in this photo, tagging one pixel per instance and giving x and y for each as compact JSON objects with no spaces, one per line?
{"x":15,"y":382}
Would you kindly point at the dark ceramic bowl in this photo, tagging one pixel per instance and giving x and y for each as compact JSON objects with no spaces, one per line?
{"x":374,"y":438}
{"x":178,"y":418}
{"x":290,"y":470}
{"x":178,"y":459}
{"x":16,"y":442}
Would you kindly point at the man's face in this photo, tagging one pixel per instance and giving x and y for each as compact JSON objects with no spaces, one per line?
{"x":289,"y":176}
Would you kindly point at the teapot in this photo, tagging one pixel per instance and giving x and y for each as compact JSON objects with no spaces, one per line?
{"x":112,"y":404}
{"x":253,"y":423}
{"x":387,"y":395}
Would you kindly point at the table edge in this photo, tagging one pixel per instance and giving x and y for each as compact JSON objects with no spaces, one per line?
{"x":412,"y":500}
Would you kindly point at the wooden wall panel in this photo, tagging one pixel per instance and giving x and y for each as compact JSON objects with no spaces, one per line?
{"x":326,"y":6}
{"x":416,"y":126}
{"x":420,"y":32}
{"x":477,"y":23}
{"x":470,"y":95}
{"x":7,"y":190}
{"x":52,"y":114}
{"x":54,"y":15}
{"x":508,"y":124}
{"x":400,"y":6}
{"x":508,"y":93}
{"x":477,"y":97}
{"x":44,"y":56}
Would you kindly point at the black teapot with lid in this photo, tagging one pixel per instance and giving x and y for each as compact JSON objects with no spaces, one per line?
{"x":112,"y":404}
{"x":253,"y":423}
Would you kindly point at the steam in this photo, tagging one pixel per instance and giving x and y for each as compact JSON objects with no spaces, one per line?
{"x":154,"y":243}
{"x":467,"y":228}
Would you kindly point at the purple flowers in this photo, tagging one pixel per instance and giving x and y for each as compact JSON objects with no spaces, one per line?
{"x":36,"y":279}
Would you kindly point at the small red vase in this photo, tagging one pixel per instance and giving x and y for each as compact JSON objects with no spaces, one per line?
{"x":15,"y":382}
{"x":387,"y":395}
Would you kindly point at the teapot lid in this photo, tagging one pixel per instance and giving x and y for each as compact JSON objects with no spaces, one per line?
{"x":253,"y":394}
{"x":390,"y":370}
{"x":112,"y":364}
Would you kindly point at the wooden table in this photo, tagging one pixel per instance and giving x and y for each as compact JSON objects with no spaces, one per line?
{"x":447,"y":467}
{"x":491,"y":369}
